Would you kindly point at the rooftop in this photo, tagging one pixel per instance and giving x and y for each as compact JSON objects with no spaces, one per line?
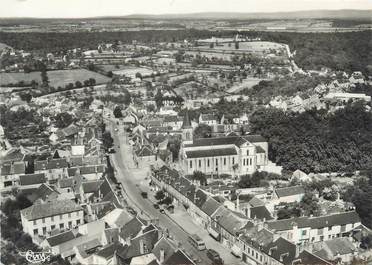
{"x":48,"y":209}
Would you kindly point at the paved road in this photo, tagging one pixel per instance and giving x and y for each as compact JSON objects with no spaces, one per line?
{"x":121,"y":159}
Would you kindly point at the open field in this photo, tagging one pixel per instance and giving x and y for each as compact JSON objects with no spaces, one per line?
{"x":247,"y":83}
{"x":56,"y":78}
{"x":131,"y":71}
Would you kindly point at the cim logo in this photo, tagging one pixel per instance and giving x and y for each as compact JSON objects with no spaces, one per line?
{"x":35,"y":257}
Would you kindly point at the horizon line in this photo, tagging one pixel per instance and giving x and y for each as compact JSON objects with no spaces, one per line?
{"x":189,"y":13}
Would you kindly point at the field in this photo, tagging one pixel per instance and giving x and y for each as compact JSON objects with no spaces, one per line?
{"x":56,"y":78}
{"x":247,"y":83}
{"x":63,"y":77}
{"x":130,"y":71}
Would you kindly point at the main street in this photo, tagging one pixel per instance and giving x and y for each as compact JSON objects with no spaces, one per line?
{"x":123,"y":162}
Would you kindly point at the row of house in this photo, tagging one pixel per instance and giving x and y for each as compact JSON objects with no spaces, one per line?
{"x":256,"y":241}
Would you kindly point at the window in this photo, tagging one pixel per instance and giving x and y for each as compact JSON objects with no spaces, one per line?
{"x":190,"y":164}
{"x":249,"y":251}
{"x":250,"y":161}
{"x":44,"y":230}
{"x":244,"y":162}
{"x":320,"y":231}
{"x":77,"y":222}
{"x":70,"y":224}
{"x":35,"y":231}
{"x":304,"y":232}
{"x":43,"y":220}
{"x":224,"y":161}
{"x":329,"y":228}
{"x":312,"y":239}
{"x":52,"y":227}
{"x":216,"y":162}
{"x":208,"y":162}
{"x":256,"y":255}
{"x":199,"y":163}
{"x":61,"y":226}
{"x":248,"y":152}
{"x":260,"y":257}
{"x":321,"y":238}
{"x":233,"y":160}
{"x":34,"y":222}
{"x":52,"y":218}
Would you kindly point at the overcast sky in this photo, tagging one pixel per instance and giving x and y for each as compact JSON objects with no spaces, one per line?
{"x":89,"y":8}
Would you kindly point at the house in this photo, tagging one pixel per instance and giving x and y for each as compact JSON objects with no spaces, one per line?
{"x":41,"y":218}
{"x":208,"y":119}
{"x":145,"y":154}
{"x":32,"y":180}
{"x":117,"y":218}
{"x":237,"y":155}
{"x":52,"y":168}
{"x":10,"y":173}
{"x":302,"y":230}
{"x":54,"y":241}
{"x":288,"y":194}
{"x":336,"y":250}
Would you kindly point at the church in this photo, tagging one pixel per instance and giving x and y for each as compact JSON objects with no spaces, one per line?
{"x":233,"y":155}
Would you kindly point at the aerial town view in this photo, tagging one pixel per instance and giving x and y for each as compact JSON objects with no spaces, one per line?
{"x":185,"y":132}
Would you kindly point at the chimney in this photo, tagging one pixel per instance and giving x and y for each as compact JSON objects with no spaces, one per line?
{"x":142,"y":247}
{"x":128,"y":241}
{"x":162,"y":256}
{"x":272,"y":249}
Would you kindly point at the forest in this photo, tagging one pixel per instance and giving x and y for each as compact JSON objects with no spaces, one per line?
{"x":317,"y":141}
{"x":337,"y":50}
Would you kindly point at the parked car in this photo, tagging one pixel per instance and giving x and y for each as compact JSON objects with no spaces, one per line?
{"x":214,"y":257}
{"x":156,"y":206}
{"x":144,"y":194}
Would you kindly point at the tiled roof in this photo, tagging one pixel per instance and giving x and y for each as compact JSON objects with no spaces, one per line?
{"x":307,"y":258}
{"x":60,"y":238}
{"x":165,"y":245}
{"x":144,"y":151}
{"x":48,"y":209}
{"x":5,"y":170}
{"x":107,"y":251}
{"x":282,"y":250}
{"x":66,"y":182}
{"x":210,"y":206}
{"x":260,"y":150}
{"x":31,"y":179}
{"x":131,"y":229}
{"x":340,"y":246}
{"x":315,"y":222}
{"x":229,"y":140}
{"x":260,"y":212}
{"x":51,"y":164}
{"x":289,"y":191}
{"x":179,"y":258}
{"x":207,"y":117}
{"x":13,"y":168}
{"x":211,"y":152}
{"x":91,"y":186}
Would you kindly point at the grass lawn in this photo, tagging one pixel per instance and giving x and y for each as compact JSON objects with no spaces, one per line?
{"x":56,"y":78}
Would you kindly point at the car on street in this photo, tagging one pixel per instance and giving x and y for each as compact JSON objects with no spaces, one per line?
{"x":214,"y":257}
{"x":156,"y":206}
{"x":144,"y":194}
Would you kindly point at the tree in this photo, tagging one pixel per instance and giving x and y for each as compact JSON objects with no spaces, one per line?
{"x":26,"y":97}
{"x":159,"y":99}
{"x":167,"y":200}
{"x":203,"y":131}
{"x":78,"y":84}
{"x":199,"y":176}
{"x":159,"y":195}
{"x":139,"y":75}
{"x":236,"y":45}
{"x":63,"y":120}
{"x":117,"y":112}
{"x":108,"y":141}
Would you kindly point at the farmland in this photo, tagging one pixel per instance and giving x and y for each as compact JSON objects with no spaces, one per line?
{"x":56,"y":78}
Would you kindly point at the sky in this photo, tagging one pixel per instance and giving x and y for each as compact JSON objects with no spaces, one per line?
{"x":91,"y":8}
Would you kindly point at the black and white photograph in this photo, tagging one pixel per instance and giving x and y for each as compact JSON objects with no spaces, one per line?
{"x":186,"y":132}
